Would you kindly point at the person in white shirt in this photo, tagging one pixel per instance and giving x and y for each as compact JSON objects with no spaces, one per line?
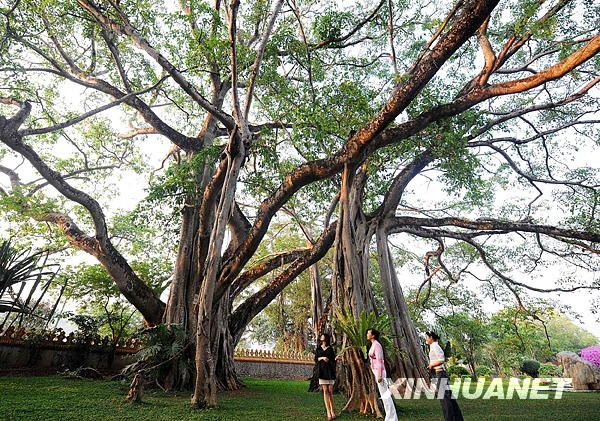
{"x":437,"y":364}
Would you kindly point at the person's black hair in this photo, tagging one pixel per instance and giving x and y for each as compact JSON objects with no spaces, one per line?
{"x":327,"y":339}
{"x":433,"y":335}
{"x":374,"y":332}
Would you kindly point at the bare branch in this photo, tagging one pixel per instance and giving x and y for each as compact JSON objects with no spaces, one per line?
{"x":70,"y":122}
{"x":356,"y":149}
{"x":257,"y":62}
{"x":132,"y":287}
{"x":496,"y":225}
{"x":127,"y":29}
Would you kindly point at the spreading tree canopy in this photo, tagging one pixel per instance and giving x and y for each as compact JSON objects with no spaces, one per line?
{"x":315,"y":112}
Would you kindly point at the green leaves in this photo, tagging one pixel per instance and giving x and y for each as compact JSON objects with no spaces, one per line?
{"x":331,"y":24}
{"x":355,"y":329}
{"x":161,"y":344}
{"x":180,"y":178}
{"x":92,"y":284}
{"x":16,"y":267}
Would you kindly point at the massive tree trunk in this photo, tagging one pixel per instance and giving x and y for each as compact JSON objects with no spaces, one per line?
{"x":350,"y":281}
{"x":224,"y":346}
{"x":410,"y":362}
{"x":352,"y":290}
{"x":184,"y":285}
{"x":205,"y":386}
{"x":180,"y":305}
{"x":183,"y":293}
{"x":193,"y":245}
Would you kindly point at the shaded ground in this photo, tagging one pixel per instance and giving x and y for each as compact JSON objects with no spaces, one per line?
{"x":57,"y":398}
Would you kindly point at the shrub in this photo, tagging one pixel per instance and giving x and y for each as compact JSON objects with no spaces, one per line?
{"x":87,"y":325}
{"x":591,"y":354}
{"x":162,"y":343}
{"x":550,"y":370}
{"x":458,"y":370}
{"x":483,"y":371}
{"x":356,"y":328}
{"x":530,"y":367}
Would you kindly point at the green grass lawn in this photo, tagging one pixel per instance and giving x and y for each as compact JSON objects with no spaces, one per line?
{"x":56,"y":398}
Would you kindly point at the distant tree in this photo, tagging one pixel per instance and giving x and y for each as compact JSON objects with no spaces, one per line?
{"x":517,"y":335}
{"x":467,"y":334}
{"x":101,"y":308}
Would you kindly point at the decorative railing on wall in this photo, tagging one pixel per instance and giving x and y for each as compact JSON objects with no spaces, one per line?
{"x":58,"y":339}
{"x":262,"y":355}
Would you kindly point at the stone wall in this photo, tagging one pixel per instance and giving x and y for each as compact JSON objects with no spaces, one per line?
{"x":31,"y":350}
{"x":53,"y":349}
{"x":17,"y":356}
{"x":273,"y":365}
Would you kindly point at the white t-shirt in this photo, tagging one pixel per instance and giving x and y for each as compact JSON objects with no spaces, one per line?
{"x":436,"y":353}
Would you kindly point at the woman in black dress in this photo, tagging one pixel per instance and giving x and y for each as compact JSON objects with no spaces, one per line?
{"x":325,"y":359}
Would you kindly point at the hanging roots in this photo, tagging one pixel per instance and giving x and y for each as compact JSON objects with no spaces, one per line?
{"x":136,"y":388}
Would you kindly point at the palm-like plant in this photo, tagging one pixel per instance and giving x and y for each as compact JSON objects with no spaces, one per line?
{"x":163,"y":344}
{"x":358,"y":382}
{"x":355,"y":329}
{"x":19,"y":267}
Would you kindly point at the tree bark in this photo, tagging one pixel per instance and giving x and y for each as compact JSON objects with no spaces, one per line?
{"x":183,"y":286}
{"x":224,"y":347}
{"x":411,"y":362}
{"x":359,"y":385}
{"x":193,"y":245}
{"x":352,"y":289}
{"x":205,"y":386}
{"x":316,"y":300}
{"x":180,"y":308}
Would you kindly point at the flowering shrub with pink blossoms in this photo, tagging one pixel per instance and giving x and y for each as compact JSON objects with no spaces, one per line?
{"x":591,"y":354}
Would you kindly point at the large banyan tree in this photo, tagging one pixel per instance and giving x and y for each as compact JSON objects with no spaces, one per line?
{"x":321,"y":112}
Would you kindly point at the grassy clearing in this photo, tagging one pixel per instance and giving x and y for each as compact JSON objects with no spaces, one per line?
{"x":56,"y":398}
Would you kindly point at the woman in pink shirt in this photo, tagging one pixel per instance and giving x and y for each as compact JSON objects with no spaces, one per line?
{"x":378,"y":367}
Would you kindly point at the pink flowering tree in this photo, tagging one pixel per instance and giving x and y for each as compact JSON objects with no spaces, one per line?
{"x":591,"y":354}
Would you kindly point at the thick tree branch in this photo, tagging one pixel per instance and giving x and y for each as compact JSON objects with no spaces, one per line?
{"x":71,"y":122}
{"x":128,"y":30}
{"x":356,"y":148}
{"x":253,"y":305}
{"x":263,"y":268}
{"x":15,"y":180}
{"x":89,"y":81}
{"x":557,"y":71}
{"x":489,"y":224}
{"x":132,"y":287}
{"x":393,"y":196}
